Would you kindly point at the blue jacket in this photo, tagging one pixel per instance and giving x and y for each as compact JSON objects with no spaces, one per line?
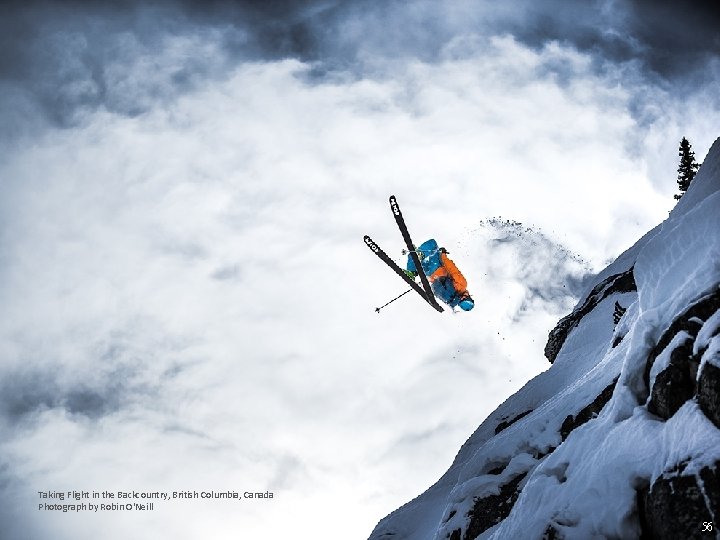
{"x":447,"y":283}
{"x":429,"y":254}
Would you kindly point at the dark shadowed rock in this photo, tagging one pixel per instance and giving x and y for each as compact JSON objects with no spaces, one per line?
{"x":617,"y":283}
{"x":674,"y":385}
{"x":709,"y":393}
{"x":710,"y":478}
{"x":551,"y":533}
{"x":677,"y":382}
{"x":491,"y":510}
{"x":507,"y":423}
{"x":589,"y":412}
{"x":677,"y":506}
{"x":689,"y":321}
{"x":618,"y":312}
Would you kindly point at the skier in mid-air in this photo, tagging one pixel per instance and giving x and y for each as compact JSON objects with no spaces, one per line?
{"x":447,"y":282}
{"x":439,"y":277}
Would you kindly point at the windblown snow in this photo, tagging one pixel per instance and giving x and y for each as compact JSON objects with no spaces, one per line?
{"x":587,"y":448}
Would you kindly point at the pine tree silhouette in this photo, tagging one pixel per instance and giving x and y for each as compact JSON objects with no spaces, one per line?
{"x":688,"y":167}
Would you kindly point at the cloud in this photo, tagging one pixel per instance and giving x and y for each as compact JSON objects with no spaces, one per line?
{"x":28,"y":397}
{"x":186,"y":298}
{"x":67,"y":60}
{"x":675,"y":39}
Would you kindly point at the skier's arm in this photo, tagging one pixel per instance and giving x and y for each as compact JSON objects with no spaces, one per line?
{"x":411,"y":271}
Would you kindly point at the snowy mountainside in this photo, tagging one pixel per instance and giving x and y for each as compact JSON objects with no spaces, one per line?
{"x":620,"y":437}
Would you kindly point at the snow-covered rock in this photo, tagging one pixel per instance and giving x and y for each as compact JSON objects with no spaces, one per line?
{"x":620,"y":438}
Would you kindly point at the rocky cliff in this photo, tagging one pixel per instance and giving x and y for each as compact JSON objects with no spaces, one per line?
{"x":620,"y":437}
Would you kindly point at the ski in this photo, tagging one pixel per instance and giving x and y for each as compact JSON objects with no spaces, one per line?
{"x":395,"y":207}
{"x":399,"y":271}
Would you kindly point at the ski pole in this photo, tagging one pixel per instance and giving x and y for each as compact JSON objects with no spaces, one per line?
{"x":377,"y":309}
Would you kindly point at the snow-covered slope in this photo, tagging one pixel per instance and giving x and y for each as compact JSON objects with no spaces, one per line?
{"x":620,"y":438}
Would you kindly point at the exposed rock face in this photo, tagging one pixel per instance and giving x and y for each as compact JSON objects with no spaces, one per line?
{"x":587,"y":413}
{"x":682,"y":506}
{"x":618,"y":283}
{"x":491,"y":510}
{"x":708,"y":392}
{"x":507,"y":423}
{"x":676,"y":383}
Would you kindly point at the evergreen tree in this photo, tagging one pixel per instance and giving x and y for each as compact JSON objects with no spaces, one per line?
{"x":688,"y":167}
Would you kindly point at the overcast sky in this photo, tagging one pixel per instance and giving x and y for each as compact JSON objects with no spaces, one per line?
{"x":186,"y":300}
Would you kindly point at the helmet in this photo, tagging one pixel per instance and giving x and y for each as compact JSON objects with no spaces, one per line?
{"x":467,"y":304}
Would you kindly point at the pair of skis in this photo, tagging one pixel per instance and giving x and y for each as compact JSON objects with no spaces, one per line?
{"x":425,"y":292}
